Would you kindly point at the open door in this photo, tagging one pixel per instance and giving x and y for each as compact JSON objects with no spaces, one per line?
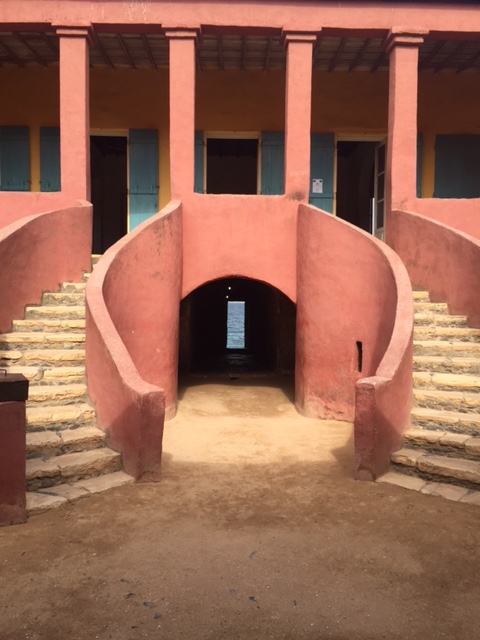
{"x":378,"y":217}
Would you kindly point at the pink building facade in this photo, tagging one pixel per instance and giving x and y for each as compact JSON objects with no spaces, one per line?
{"x":323,"y":151}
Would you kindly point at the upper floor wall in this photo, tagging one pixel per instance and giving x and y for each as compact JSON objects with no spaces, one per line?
{"x":301,"y":16}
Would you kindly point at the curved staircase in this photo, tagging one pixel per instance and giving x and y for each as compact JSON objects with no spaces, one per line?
{"x":441,"y":453}
{"x":67,"y":455}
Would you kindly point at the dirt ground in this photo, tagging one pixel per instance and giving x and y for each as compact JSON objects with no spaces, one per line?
{"x":256,"y":531}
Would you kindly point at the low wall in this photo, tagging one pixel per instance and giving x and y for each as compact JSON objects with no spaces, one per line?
{"x":133,"y":301}
{"x":38,"y":253}
{"x":460,"y":213}
{"x":354,"y":335}
{"x":15,"y":205}
{"x":442,"y":260}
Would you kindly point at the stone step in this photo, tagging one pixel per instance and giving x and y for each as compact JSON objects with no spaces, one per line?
{"x":50,"y":375}
{"x":423,"y":296}
{"x":18,"y":340}
{"x":442,"y":489}
{"x":59,"y":417}
{"x":430,"y":307}
{"x":72,"y":287}
{"x":446,"y":381}
{"x":50,"y":443}
{"x":429,"y":319}
{"x":70,"y":467}
{"x":56,"y":394}
{"x":434,"y":467}
{"x":443,"y":442}
{"x":454,"y":421}
{"x":52,"y":312}
{"x":449,"y":400}
{"x":42,"y":357}
{"x":454,"y":334}
{"x":443,"y":348}
{"x":48,"y":325}
{"x":444,"y":364}
{"x":57,"y":495}
{"x":64,"y":299}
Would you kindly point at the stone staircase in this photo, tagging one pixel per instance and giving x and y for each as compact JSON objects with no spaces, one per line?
{"x":441,"y":453}
{"x":67,"y":455}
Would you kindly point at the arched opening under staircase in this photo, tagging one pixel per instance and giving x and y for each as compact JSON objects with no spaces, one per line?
{"x":237,"y":326}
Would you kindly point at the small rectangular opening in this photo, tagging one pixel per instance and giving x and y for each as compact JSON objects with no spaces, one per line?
{"x":359,"y":356}
{"x":235,"y":324}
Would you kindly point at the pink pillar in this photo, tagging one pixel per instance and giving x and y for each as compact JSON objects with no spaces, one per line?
{"x":402,"y":119}
{"x":298,"y":101}
{"x":74,"y":112}
{"x":182,"y":111}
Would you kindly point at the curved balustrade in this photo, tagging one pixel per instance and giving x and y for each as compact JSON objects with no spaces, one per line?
{"x":132,"y":347}
{"x":354,"y":335}
{"x":38,"y":253}
{"x":439,"y":259}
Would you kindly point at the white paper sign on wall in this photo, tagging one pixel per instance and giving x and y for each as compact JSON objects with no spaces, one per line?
{"x":317,"y":185}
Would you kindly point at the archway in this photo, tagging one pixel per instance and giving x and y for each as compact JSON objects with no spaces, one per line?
{"x":237,"y":325}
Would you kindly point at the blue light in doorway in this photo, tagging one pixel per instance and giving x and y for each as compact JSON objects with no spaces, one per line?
{"x":235,"y":324}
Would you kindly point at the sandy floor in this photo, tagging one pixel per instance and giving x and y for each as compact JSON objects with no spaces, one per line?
{"x":256,"y":531}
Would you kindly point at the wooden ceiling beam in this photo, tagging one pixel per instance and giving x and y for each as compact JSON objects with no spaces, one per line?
{"x":123,"y":44}
{"x":26,"y":44}
{"x":359,"y":55}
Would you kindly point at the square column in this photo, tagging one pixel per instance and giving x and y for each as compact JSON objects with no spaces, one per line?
{"x":401,"y":174}
{"x":298,"y":107}
{"x":182,"y":110}
{"x":74,"y":112}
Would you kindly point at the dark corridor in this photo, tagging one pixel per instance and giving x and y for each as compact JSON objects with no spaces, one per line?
{"x":108,"y":165}
{"x":269,"y":329}
{"x":355,"y":182}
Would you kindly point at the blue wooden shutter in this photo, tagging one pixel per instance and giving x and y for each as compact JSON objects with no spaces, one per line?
{"x":14,"y":159}
{"x":143,"y":175}
{"x":198,"y":186}
{"x":457,"y":166}
{"x":273,"y":162}
{"x":49,"y":159}
{"x":322,"y":158}
{"x":419,"y":164}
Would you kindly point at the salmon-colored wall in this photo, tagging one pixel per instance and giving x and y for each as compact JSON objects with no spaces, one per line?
{"x":352,"y":288}
{"x":249,"y":236}
{"x":446,"y":262}
{"x":40,"y":252}
{"x":143,"y":302}
{"x":345,"y":294}
{"x":297,"y":16}
{"x":138,"y":308}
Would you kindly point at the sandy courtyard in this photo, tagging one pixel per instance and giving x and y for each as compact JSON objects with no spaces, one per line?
{"x":256,"y":531}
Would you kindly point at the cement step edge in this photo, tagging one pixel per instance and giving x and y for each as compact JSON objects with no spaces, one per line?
{"x":441,"y":489}
{"x":61,"y":494}
{"x":70,"y":467}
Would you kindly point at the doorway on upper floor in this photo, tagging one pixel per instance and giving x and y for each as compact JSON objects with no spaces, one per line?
{"x":356,"y":182}
{"x":108,"y":167}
